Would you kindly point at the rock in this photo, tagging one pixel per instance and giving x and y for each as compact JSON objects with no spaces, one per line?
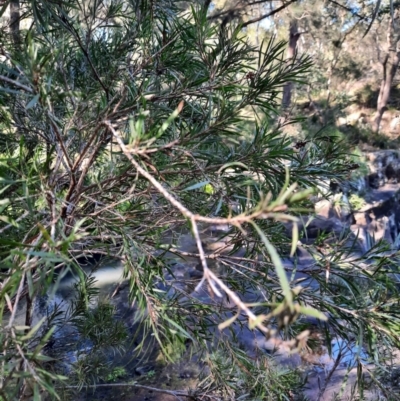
{"x":303,"y":256}
{"x":196,"y":274}
{"x":374,"y":180}
{"x":383,"y":220}
{"x":384,"y":166}
{"x":324,"y":208}
{"x":390,"y":172}
{"x":320,"y":225}
{"x":335,"y":187}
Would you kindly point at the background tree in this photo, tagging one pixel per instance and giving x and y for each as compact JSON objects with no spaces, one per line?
{"x":15,"y":16}
{"x":294,"y":36}
{"x":390,"y":60}
{"x":337,"y":26}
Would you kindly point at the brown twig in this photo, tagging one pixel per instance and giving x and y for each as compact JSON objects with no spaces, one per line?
{"x":60,"y":140}
{"x":329,"y":377}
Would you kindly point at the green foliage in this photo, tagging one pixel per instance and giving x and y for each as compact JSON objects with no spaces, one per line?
{"x":99,"y":326}
{"x":116,"y":374}
{"x":260,"y":380}
{"x":356,"y":202}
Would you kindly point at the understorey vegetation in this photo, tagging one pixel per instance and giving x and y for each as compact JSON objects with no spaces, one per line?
{"x":126,"y":125}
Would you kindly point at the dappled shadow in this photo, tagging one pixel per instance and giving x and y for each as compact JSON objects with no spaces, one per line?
{"x":357,"y":135}
{"x":368,"y":96}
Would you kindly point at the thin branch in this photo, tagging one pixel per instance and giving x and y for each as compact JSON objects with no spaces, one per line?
{"x":68,"y":209}
{"x":187,"y":213}
{"x":60,"y":140}
{"x":86,"y":148}
{"x":177,"y":393}
{"x":102,"y":184}
{"x":276,"y":10}
{"x":347,"y":9}
{"x":145,"y":151}
{"x":16,"y":83}
{"x":74,"y":32}
{"x":329,"y":377}
{"x":378,"y":3}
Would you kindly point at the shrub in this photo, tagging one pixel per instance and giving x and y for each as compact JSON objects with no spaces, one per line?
{"x":118,"y":119}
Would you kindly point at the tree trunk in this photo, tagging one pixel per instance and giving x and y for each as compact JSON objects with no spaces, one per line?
{"x":15,"y":17}
{"x":291,"y":51}
{"x":389,"y":66}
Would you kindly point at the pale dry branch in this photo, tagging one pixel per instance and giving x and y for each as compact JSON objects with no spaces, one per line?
{"x":208,"y":275}
{"x":137,"y":151}
{"x":234,"y":221}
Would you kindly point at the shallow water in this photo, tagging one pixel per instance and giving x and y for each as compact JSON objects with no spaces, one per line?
{"x":109,"y":277}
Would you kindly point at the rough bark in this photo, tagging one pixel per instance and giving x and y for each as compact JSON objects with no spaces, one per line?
{"x":390,"y":64}
{"x":15,"y":16}
{"x":291,"y":51}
